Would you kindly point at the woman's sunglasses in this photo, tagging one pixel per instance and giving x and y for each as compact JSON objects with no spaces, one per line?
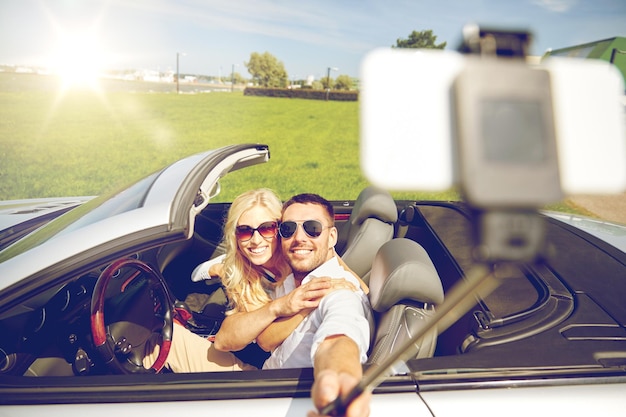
{"x":267,"y":230}
{"x":312,"y":228}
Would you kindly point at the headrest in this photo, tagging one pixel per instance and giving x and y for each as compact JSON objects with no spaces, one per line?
{"x":402,"y":270}
{"x":374,"y":202}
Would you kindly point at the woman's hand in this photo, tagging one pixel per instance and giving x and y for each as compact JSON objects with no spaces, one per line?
{"x":306,"y":296}
{"x":341,"y":284}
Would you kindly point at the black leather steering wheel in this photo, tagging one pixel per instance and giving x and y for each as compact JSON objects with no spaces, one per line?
{"x":119,"y":354}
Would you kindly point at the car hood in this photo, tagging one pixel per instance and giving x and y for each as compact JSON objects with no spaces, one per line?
{"x":20,"y":217}
{"x":16,"y":212}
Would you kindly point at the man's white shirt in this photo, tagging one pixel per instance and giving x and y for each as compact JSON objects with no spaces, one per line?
{"x":343,"y":311}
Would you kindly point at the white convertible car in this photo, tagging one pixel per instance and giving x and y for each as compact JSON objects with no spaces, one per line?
{"x":84,"y":283}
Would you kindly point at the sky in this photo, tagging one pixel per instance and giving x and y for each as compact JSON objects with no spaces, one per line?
{"x":211,"y":37}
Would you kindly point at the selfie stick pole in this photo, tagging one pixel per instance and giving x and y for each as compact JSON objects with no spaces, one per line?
{"x":480,"y":281}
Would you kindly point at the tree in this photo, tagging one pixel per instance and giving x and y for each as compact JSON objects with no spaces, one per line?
{"x":238,"y":78}
{"x":318,"y":85}
{"x":424,"y":39}
{"x":343,"y":82}
{"x":266,"y":70}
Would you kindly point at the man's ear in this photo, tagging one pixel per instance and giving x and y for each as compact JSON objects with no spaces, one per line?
{"x":332,"y":237}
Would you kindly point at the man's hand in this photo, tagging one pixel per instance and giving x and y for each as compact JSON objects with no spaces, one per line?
{"x":337,"y":371}
{"x":329,"y":385}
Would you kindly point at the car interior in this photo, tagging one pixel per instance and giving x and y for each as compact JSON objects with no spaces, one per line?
{"x":410,"y":255}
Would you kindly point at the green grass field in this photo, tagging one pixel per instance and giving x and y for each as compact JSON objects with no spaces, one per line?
{"x":85,"y":142}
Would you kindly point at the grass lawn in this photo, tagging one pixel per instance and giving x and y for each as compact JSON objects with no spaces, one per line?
{"x":85,"y":142}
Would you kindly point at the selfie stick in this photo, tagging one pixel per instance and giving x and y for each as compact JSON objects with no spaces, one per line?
{"x":480,"y":280}
{"x":507,"y":226}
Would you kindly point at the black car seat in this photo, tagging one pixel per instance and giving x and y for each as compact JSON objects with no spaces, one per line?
{"x":371,"y":224}
{"x":404,"y":289}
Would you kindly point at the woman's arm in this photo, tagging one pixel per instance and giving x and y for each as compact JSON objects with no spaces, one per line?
{"x":274,"y":335}
{"x":241,"y":328}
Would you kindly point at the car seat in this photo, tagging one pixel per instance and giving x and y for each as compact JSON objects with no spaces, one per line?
{"x":404,"y":289}
{"x":371,"y":224}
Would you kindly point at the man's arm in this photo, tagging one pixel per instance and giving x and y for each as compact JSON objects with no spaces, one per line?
{"x":340,"y":354}
{"x":337,"y":369}
{"x":344,"y":337}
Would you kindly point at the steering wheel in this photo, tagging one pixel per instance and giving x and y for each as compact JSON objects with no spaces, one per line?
{"x":123,"y":354}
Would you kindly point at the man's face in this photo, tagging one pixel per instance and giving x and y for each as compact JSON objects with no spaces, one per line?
{"x":303,"y":252}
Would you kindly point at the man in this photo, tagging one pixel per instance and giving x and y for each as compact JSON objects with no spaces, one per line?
{"x":334,"y":338}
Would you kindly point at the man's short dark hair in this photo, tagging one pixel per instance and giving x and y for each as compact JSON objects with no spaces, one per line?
{"x":309,"y":198}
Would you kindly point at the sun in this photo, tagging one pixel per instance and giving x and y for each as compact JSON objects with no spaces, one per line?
{"x":78,"y":59}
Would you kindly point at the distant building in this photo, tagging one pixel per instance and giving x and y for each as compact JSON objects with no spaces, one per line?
{"x":612,"y":50}
{"x":151,"y":76}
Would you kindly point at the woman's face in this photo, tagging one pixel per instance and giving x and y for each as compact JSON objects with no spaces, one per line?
{"x":258,"y":249}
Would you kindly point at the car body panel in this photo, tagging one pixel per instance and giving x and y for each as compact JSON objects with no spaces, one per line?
{"x":382,"y":405}
{"x":611,"y":232}
{"x":609,"y":400}
{"x":14,"y":212}
{"x":20,"y":217}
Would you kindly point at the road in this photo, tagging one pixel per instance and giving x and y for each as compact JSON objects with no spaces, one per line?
{"x":606,"y":207}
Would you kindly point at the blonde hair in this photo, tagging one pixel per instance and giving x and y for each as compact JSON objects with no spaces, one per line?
{"x":245,"y":284}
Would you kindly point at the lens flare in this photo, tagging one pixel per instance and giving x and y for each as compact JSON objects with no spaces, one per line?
{"x":78,"y":59}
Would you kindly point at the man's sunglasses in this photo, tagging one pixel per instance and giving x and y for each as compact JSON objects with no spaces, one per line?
{"x":312,"y":228}
{"x":267,"y":230}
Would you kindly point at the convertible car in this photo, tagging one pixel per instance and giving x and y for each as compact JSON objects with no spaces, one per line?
{"x":84,"y":283}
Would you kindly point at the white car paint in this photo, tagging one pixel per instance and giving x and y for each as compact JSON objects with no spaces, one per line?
{"x":385,"y":405}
